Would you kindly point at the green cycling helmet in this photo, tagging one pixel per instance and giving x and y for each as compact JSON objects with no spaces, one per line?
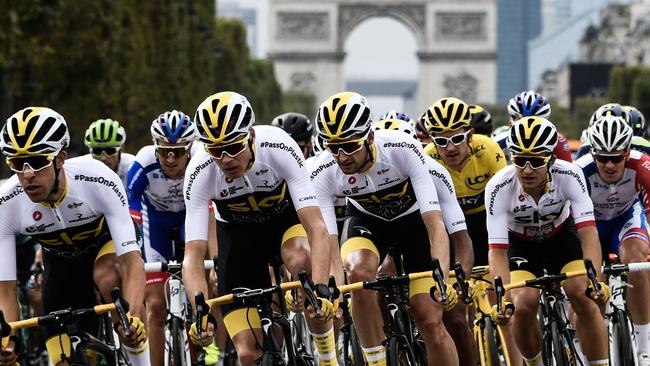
{"x":105,"y":133}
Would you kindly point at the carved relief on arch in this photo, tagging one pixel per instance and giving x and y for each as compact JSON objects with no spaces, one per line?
{"x":302,"y":81}
{"x":412,"y":14}
{"x":462,"y":86}
{"x":461,"y":26}
{"x":303,"y":25}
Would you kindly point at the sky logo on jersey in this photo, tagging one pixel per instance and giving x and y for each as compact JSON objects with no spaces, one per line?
{"x":257,"y":207}
{"x":75,"y":238}
{"x":390,"y":202}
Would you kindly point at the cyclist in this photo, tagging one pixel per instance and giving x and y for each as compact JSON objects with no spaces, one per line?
{"x":157,"y":206}
{"x":471,"y":159}
{"x":391,"y":200}
{"x":615,"y":177}
{"x":452,"y":214}
{"x":540,"y":218}
{"x":531,"y":103}
{"x":79,"y":214}
{"x":637,"y":121}
{"x":421,"y":132}
{"x":481,"y":120}
{"x":298,"y":126}
{"x":393,"y":114}
{"x":105,"y":139}
{"x":261,"y":192}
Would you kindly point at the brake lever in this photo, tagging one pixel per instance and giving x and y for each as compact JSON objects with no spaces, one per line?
{"x":308,"y":286}
{"x":439,"y":278}
{"x":462,"y":283}
{"x":202,"y":310}
{"x":121,"y":307}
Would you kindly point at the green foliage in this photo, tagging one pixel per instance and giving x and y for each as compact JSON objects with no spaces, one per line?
{"x":641,"y":92}
{"x":299,"y":102}
{"x":127,"y":60}
{"x":620,"y":83}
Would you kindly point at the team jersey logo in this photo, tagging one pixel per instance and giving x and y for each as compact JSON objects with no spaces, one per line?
{"x":257,"y":207}
{"x":390,"y":202}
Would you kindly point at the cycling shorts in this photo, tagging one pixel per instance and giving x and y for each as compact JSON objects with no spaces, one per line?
{"x":630,"y":224}
{"x":477,"y":231}
{"x":245,"y":251}
{"x":162,"y":238}
{"x":550,"y":255}
{"x":407,"y":235}
{"x":69,"y":283}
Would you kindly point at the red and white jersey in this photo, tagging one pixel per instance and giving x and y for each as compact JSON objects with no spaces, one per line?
{"x":511,"y":210}
{"x":612,"y":200}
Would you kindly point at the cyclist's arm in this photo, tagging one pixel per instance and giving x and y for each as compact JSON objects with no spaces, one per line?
{"x":319,"y":242}
{"x":438,"y":239}
{"x":133,"y":280}
{"x":591,"y":245}
{"x":463,"y":250}
{"x":193,"y":270}
{"x":8,"y":292}
{"x":496,"y":207}
{"x":137,"y":183}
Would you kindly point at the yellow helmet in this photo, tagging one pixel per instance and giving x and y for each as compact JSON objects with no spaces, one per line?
{"x":223,"y":118}
{"x":447,"y":114}
{"x":532,"y":136}
{"x":34,"y":131}
{"x":343,"y":116}
{"x":395,"y":124}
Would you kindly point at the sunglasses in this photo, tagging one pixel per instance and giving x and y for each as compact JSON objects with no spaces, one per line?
{"x":535,"y":162}
{"x":232,"y":149}
{"x":348,"y":147}
{"x":34,"y":162}
{"x":604,"y":159}
{"x":174,"y":151}
{"x":456,"y":139}
{"x":107,"y":151}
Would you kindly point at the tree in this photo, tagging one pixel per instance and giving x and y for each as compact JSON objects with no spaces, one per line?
{"x":641,"y":92}
{"x":620,"y":83}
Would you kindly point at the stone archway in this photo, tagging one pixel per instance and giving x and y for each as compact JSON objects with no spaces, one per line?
{"x":456,"y":44}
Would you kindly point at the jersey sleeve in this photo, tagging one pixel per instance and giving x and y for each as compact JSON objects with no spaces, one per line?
{"x":137,"y":183}
{"x":414,"y":166}
{"x":582,"y":208}
{"x":325,"y":188}
{"x":116,"y":212}
{"x":452,"y":214}
{"x":496,"y":207}
{"x":290,"y":163}
{"x":643,"y":173}
{"x":7,"y":246}
{"x":198,"y":189}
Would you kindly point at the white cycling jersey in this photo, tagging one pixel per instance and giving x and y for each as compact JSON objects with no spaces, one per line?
{"x":510,"y":209}
{"x":126,"y":160}
{"x":613,"y":200}
{"x":92,"y":211}
{"x":257,"y":197}
{"x":397,"y":184}
{"x":452,"y":213}
{"x":341,"y":202}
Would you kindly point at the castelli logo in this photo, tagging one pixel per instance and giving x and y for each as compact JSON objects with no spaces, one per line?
{"x":37,"y":215}
{"x":521,"y":198}
{"x":229,"y":180}
{"x":352,"y":180}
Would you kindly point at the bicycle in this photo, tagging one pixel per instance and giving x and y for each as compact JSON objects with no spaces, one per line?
{"x":622,"y":344}
{"x":81,"y":342}
{"x":273,"y":352}
{"x":177,"y":346}
{"x":558,"y":347}
{"x":403,"y":345}
{"x":488,"y":335}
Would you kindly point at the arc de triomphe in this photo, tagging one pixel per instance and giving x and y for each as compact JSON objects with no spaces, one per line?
{"x":456,"y":44}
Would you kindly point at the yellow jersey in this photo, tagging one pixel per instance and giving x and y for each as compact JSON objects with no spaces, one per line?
{"x":485,"y":159}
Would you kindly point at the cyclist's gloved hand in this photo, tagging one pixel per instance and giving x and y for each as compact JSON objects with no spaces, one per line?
{"x":328,"y":307}
{"x":208,"y":326}
{"x":502,"y":318}
{"x":605,"y":293}
{"x":452,"y":297}
{"x":293,"y":304}
{"x":8,"y":355}
{"x":138,"y":335}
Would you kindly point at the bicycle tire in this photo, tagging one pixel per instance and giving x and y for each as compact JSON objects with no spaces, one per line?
{"x":400,"y":354}
{"x":561,"y":353}
{"x":621,"y":333}
{"x":352,"y":352}
{"x":177,"y":344}
{"x":272,"y":360}
{"x":492,"y":337}
{"x":104,"y":351}
{"x":302,"y":344}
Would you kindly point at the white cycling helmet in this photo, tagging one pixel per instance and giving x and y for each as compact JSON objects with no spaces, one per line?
{"x":532,"y":136}
{"x":396,"y":125}
{"x":223,"y":118}
{"x":610,"y":134}
{"x":610,"y":109}
{"x":34,"y":131}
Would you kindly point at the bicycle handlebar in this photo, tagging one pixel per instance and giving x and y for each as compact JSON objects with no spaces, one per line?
{"x":173,"y":266}
{"x":615,"y":269}
{"x":436,"y":272}
{"x":463,"y":285}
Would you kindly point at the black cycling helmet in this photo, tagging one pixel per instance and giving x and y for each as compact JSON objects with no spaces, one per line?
{"x":481,"y":120}
{"x":297,"y":125}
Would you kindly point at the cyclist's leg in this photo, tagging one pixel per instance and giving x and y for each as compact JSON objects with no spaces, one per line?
{"x":156,"y":233}
{"x":107,"y":275}
{"x":590,"y":324}
{"x":632,"y":246}
{"x":525,"y":263}
{"x":361,"y":258}
{"x":295,"y":255}
{"x":71,"y":286}
{"x":413,"y":241}
{"x":244,"y":254}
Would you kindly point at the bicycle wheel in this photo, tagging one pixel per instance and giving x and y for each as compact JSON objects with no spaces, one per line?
{"x":302,"y":344}
{"x":624,"y":352}
{"x":492,"y":351}
{"x":562,"y":347}
{"x":400,"y":353}
{"x":177,"y":345}
{"x":352,"y":353}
